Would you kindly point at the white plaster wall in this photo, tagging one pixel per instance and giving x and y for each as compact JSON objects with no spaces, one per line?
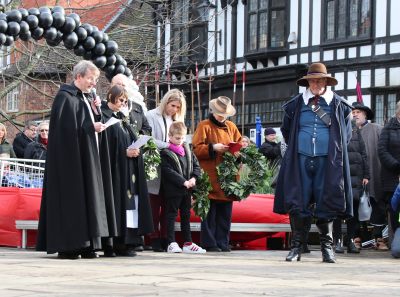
{"x":394,"y":17}
{"x":351,"y":80}
{"x":328,"y":55}
{"x":305,"y":17}
{"x":293,"y":59}
{"x":315,"y":57}
{"x":394,"y":47}
{"x":304,"y":58}
{"x":281,"y":61}
{"x":380,"y":49}
{"x":340,"y":78}
{"x":380,"y":77}
{"x":394,"y":76}
{"x":294,"y":17}
{"x":241,"y":42}
{"x":316,"y":29}
{"x":365,"y":78}
{"x":380,"y":25}
{"x":168,"y":43}
{"x":211,"y":44}
{"x":365,"y":51}
{"x":352,"y":52}
{"x":340,"y":54}
{"x":220,"y":51}
{"x":229,"y":32}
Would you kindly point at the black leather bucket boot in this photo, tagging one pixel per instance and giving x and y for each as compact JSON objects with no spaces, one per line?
{"x":297,"y":225}
{"x":326,"y":239}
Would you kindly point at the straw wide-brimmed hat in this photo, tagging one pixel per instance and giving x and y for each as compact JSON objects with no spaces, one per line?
{"x":317,"y":70}
{"x":222,"y":106}
{"x":368,"y":111}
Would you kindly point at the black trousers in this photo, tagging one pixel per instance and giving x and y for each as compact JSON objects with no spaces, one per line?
{"x":183,"y":204}
{"x":215,"y":229}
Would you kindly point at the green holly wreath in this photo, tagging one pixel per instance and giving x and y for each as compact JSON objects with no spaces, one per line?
{"x":151,"y":158}
{"x":239,"y":177}
{"x":201,"y":203}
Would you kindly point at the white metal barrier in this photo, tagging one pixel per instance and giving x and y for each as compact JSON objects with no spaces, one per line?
{"x":21,"y":173}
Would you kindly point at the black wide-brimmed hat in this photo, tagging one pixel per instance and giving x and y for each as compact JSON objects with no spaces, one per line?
{"x":368,"y":111}
{"x":317,"y":70}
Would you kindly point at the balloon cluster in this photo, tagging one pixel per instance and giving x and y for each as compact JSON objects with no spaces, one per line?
{"x":55,"y":26}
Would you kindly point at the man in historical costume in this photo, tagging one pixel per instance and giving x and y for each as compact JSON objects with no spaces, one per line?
{"x":315,"y":168}
{"x":73,"y":215}
{"x":370,"y":132}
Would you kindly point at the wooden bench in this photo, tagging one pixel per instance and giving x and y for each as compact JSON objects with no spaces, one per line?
{"x":26,"y":225}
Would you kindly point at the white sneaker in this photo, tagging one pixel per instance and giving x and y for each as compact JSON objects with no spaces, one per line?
{"x":174,"y":248}
{"x":193,"y":249}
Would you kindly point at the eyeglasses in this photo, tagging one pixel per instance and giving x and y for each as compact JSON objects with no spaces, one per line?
{"x":123,"y":101}
{"x":44,"y":130}
{"x":33,"y":130}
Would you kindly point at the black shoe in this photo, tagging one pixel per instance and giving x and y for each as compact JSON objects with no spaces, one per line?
{"x":138,"y":248}
{"x":351,"y":247}
{"x":213,"y":249}
{"x":89,"y":255}
{"x":305,"y":249}
{"x":226,"y":250}
{"x":147,"y":247}
{"x":129,"y":252}
{"x":294,"y":255}
{"x":339,"y":247}
{"x":68,"y":255}
{"x":156,"y":246}
{"x":109,"y":254}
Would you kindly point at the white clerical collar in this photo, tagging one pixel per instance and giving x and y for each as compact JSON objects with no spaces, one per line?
{"x":328,"y":95}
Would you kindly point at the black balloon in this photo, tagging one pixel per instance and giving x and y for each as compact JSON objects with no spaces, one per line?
{"x":45,"y":20}
{"x":24,"y":27}
{"x":58,"y":20}
{"x":111,"y":60}
{"x":69,"y":25}
{"x":100,"y":61}
{"x":2,"y":38}
{"x":32,"y":21}
{"x":128,"y":72}
{"x":9,"y":41}
{"x":88,"y":55}
{"x":50,"y":34}
{"x":89,"y":43}
{"x":13,"y":28}
{"x":3,"y":26}
{"x":70,"y":40}
{"x":81,"y":32}
{"x":111,"y":47}
{"x":25,"y":36}
{"x":98,"y":36}
{"x":120,"y":60}
{"x":58,"y":9}
{"x":79,"y":50}
{"x":37,"y":33}
{"x":24,"y":13}
{"x":100,"y":49}
{"x":44,"y":9}
{"x":3,"y":16}
{"x":34,"y":11}
{"x":105,"y":37}
{"x":119,"y":69}
{"x":109,"y":69}
{"x":14,"y":16}
{"x":76,"y":18}
{"x":88,"y":28}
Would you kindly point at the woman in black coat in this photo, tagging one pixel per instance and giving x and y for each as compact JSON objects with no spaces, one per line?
{"x":389,"y":155}
{"x":359,"y":173}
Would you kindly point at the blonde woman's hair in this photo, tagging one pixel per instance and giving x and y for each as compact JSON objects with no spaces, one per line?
{"x":174,"y":95}
{"x":177,"y":128}
{"x":2,"y":127}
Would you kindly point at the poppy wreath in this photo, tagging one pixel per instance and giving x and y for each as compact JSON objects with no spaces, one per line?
{"x":236,"y":183}
{"x":201,"y":203}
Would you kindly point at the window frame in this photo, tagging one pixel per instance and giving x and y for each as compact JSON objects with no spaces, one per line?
{"x":383,"y":115}
{"x":347,"y":39}
{"x":12,"y":100}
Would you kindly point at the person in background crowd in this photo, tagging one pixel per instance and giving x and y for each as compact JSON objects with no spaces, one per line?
{"x":73,"y":215}
{"x":210,"y":141}
{"x":172,"y":108}
{"x":270,"y":148}
{"x":315,"y":168}
{"x":395,"y":209}
{"x":23,"y":139}
{"x":389,"y":155}
{"x":6,"y":150}
{"x":245,"y":142}
{"x":370,"y":133}
{"x":37,"y":149}
{"x":129,"y":181}
{"x":179,"y":171}
{"x":359,"y":172}
{"x":134,"y":94}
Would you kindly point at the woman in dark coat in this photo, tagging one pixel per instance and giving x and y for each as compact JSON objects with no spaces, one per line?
{"x":359,"y":172}
{"x":389,"y":155}
{"x":131,"y":201}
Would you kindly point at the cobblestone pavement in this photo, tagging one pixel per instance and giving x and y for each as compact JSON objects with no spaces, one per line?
{"x":239,"y":273}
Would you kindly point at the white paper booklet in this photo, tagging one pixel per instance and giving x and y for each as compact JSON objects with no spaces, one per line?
{"x":112,"y":121}
{"x":143,"y":139}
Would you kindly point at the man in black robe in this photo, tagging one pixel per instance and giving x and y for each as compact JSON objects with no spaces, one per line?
{"x":73,"y":215}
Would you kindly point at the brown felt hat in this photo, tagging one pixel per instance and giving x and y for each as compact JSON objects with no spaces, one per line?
{"x":317,"y":70}
{"x":222,"y":106}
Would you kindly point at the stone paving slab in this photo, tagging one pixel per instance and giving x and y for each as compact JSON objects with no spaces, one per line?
{"x":239,"y":273}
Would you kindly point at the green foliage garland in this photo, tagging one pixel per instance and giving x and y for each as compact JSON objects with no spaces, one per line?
{"x":152,"y":159}
{"x":228,"y":170}
{"x":201,"y":204}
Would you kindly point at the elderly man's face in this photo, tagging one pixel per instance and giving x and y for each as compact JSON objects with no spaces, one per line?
{"x":87,"y":82}
{"x":359,"y":116}
{"x":317,"y":85}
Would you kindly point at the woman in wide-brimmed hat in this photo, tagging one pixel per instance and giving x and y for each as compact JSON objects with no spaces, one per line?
{"x":210,"y":141}
{"x":315,"y":169}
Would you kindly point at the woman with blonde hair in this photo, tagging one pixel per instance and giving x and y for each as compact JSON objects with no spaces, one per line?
{"x":172,"y":108}
{"x":6,"y":149}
